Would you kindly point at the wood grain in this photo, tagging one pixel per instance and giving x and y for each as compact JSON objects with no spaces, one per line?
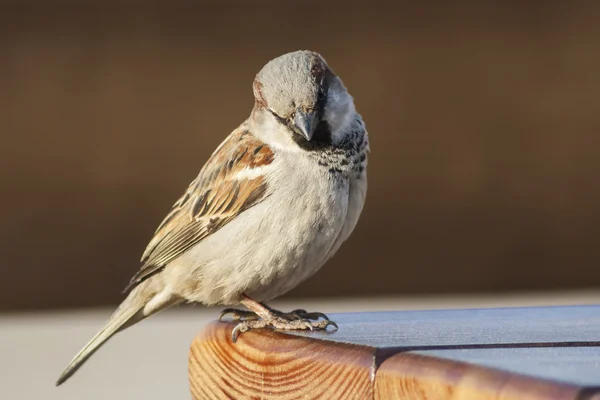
{"x":415,"y":377}
{"x":269,"y":365}
{"x":539,"y":353}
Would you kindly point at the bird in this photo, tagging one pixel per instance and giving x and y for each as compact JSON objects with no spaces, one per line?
{"x":272,"y":204}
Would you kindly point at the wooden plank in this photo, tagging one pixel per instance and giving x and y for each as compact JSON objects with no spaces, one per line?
{"x":415,"y":377}
{"x":429,"y":329}
{"x":576,"y":365}
{"x":269,"y":365}
{"x":520,"y":353}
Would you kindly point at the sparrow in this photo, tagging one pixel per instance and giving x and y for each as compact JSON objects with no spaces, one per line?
{"x":272,"y":204}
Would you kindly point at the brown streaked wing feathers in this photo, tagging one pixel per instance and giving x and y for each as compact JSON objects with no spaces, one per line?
{"x":210,"y":202}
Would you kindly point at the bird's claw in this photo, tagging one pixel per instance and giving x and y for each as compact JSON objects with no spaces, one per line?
{"x":295,"y":320}
{"x":238,"y":330}
{"x":303,"y":314}
{"x":328,"y":323}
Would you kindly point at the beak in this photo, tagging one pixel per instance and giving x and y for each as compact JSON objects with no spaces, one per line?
{"x":306,"y":122}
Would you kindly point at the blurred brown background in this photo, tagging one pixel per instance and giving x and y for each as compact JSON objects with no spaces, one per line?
{"x":484,"y":123}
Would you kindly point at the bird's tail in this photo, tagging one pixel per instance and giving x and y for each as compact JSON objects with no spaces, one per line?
{"x":124,"y":316}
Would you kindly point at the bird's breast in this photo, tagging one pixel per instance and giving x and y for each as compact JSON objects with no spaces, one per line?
{"x":306,"y":218}
{"x":276,"y":244}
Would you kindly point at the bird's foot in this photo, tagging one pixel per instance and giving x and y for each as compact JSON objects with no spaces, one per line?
{"x":301,"y":314}
{"x":244,"y":315}
{"x":277,"y":320}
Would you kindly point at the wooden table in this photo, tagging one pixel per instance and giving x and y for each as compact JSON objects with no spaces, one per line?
{"x":504,"y":353}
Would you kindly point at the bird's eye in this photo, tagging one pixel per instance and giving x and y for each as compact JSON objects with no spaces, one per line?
{"x":277,"y":117}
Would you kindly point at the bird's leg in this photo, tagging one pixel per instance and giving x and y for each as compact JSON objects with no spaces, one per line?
{"x":238,"y":315}
{"x":267,"y":317}
{"x":244,"y":315}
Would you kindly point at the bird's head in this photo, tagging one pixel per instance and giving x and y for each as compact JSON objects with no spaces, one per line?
{"x":301,"y":93}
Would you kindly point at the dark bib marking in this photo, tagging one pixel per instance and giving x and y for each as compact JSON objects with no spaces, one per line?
{"x":321,"y":140}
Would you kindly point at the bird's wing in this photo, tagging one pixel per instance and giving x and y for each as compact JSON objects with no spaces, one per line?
{"x":229,"y":183}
